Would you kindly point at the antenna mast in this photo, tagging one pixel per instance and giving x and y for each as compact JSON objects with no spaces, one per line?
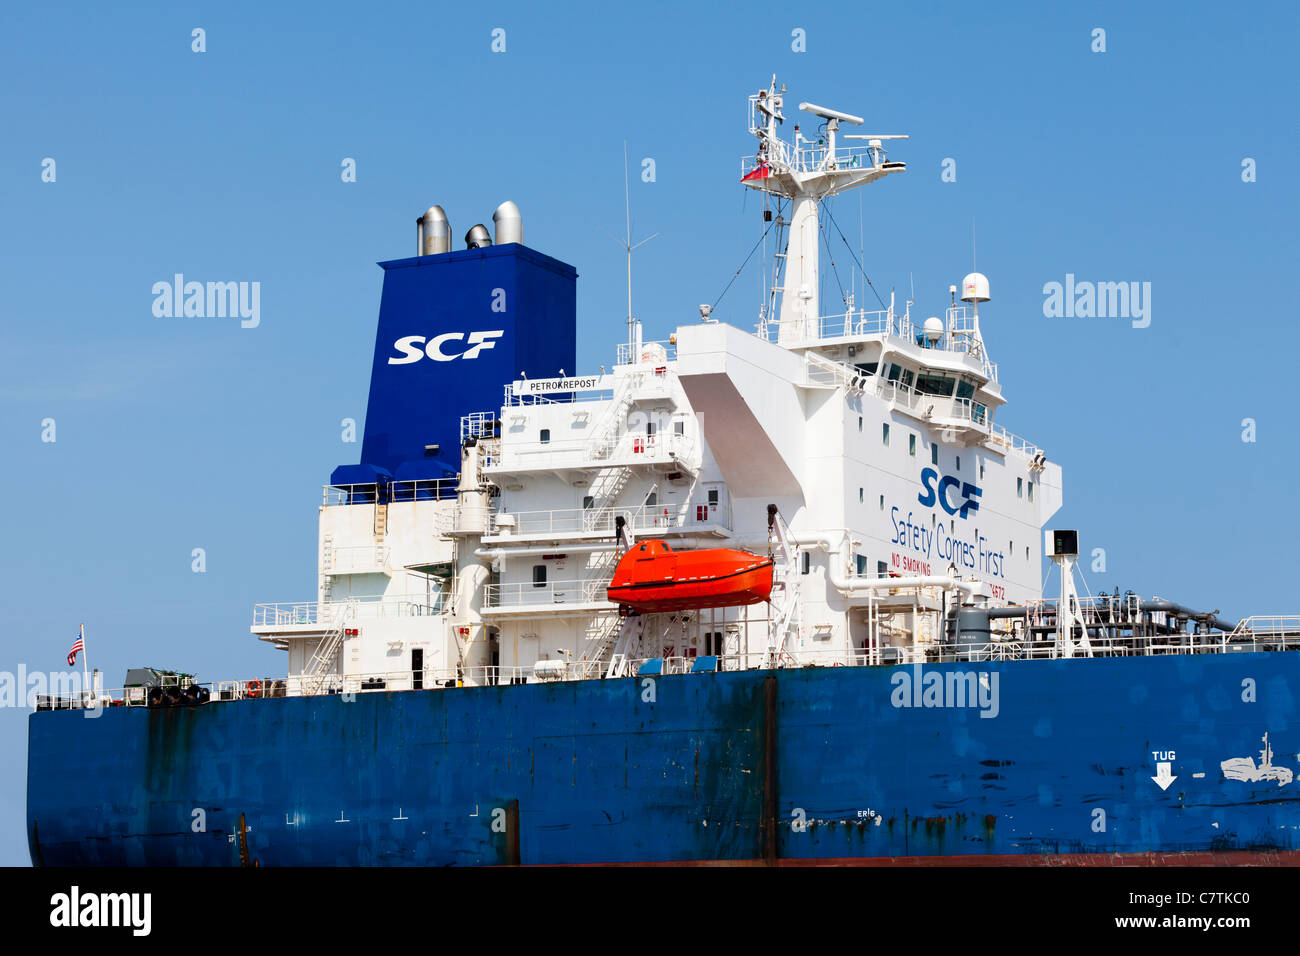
{"x":628,"y":247}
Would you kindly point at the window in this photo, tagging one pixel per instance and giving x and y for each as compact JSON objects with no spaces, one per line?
{"x":588,"y":501}
{"x":1031,"y":491}
{"x":901,"y":375}
{"x":885,"y":433}
{"x":930,"y":384}
{"x":1026,"y":553}
{"x":911,"y":445}
{"x":545,"y":435}
{"x":981,"y":471}
{"x":882,"y":569}
{"x":539,"y":575}
{"x":859,"y":423}
{"x":652,"y":499}
{"x":862,"y":565}
{"x":679,"y":428}
{"x":807,"y":562}
{"x":867,"y":368}
{"x":713,"y":497}
{"x":882,"y":502}
{"x":1020,"y":487}
{"x":859,"y":496}
{"x":650,"y":428}
{"x":965,"y":389}
{"x":959,"y":462}
{"x":934,"y":453}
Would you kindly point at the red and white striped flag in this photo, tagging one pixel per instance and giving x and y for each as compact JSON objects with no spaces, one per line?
{"x":78,"y":647}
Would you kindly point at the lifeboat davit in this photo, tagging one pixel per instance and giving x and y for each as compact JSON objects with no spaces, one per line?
{"x":652,"y":577}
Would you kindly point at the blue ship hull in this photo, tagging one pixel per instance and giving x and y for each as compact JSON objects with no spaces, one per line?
{"x":831,"y":764}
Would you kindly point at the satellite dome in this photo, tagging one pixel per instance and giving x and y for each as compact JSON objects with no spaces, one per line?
{"x":975,"y":288}
{"x":933,"y":328}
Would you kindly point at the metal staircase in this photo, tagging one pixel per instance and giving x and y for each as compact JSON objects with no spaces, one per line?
{"x":315,"y":674}
{"x":604,"y":631}
{"x":606,"y":435}
{"x":605,"y":491}
{"x":629,"y":632}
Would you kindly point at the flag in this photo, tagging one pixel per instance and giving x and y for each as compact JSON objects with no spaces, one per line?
{"x":761,"y":171}
{"x":78,"y":647}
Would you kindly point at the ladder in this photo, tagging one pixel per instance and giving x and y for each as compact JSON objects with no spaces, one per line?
{"x":381,"y":521}
{"x":787,"y":597}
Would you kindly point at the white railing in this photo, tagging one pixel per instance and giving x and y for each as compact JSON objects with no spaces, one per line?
{"x":629,"y":448}
{"x":602,"y":521}
{"x":359,"y":559}
{"x":1265,"y":624}
{"x":809,"y":156}
{"x":628,"y":355}
{"x":548,"y":594}
{"x":316,"y":613}
{"x":852,"y":323}
{"x":423,"y":489}
{"x":1000,"y":436}
{"x":1271,"y":634}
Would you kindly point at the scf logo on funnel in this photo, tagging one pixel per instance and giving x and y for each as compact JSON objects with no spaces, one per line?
{"x":440,"y":347}
{"x":941,"y":494}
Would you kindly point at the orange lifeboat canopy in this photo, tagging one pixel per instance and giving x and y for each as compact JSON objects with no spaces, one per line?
{"x":652,"y":578}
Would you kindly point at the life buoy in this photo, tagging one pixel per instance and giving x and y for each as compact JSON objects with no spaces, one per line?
{"x":253,"y":688}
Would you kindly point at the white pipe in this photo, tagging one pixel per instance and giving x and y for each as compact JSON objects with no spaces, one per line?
{"x":852,"y":587}
{"x":492,"y":553}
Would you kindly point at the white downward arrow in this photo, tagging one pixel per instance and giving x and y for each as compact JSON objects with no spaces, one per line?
{"x":1163,"y":777}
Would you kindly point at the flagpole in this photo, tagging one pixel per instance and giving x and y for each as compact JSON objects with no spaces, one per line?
{"x":85,"y":669}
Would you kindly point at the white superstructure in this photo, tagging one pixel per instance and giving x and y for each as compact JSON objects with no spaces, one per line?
{"x":900,"y":498}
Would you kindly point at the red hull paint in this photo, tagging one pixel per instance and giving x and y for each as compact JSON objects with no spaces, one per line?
{"x":653,"y":578}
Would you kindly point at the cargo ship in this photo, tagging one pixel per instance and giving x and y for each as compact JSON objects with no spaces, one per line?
{"x":770,"y":595}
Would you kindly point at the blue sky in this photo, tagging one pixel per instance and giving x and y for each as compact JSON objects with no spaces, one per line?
{"x":174,"y":434}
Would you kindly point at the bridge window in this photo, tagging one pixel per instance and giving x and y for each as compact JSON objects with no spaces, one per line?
{"x":928,"y":383}
{"x":965,"y":388}
{"x":901,"y":375}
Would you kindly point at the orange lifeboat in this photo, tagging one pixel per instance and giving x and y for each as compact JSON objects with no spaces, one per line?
{"x":652,"y":577}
